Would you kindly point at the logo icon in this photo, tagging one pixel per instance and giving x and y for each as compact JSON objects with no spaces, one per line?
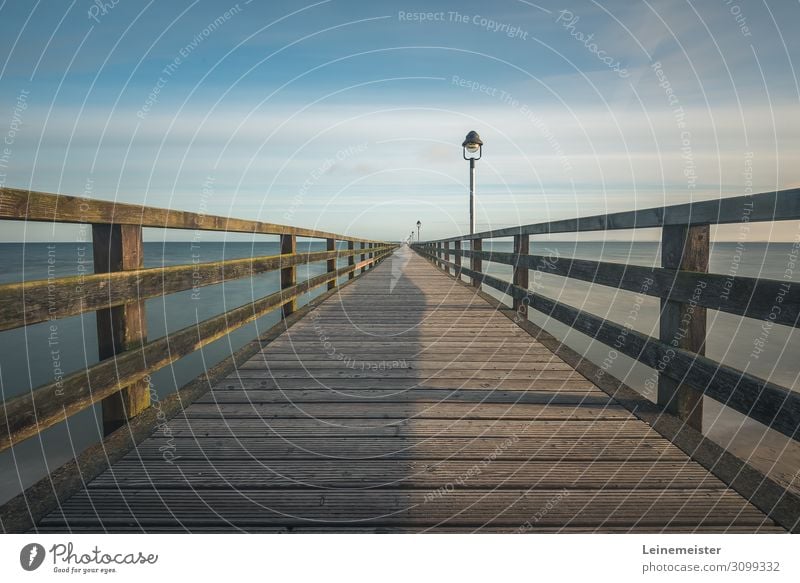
{"x":31,"y":556}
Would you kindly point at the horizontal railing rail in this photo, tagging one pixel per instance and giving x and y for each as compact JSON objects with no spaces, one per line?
{"x":683,"y":285}
{"x":30,"y":205}
{"x":31,"y":302}
{"x":120,"y":285}
{"x":763,"y":207}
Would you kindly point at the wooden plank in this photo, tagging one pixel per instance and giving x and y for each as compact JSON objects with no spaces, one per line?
{"x":237,"y":382}
{"x":124,"y":327}
{"x":683,"y":325}
{"x":520,"y":273}
{"x":330,"y":245}
{"x":419,"y":448}
{"x":351,"y":259}
{"x":288,"y":274}
{"x":421,"y":396}
{"x":385,"y":411}
{"x":28,"y":205}
{"x":364,"y":427}
{"x":476,"y":245}
{"x":132,"y":473}
{"x":648,"y":509}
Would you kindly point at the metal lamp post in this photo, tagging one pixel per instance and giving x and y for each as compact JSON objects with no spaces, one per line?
{"x":419,"y":224}
{"x":473,"y":145}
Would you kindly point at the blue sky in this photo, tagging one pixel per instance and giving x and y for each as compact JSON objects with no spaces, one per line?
{"x":348,"y":116}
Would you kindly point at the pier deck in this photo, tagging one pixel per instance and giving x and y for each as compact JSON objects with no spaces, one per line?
{"x":406,"y":402}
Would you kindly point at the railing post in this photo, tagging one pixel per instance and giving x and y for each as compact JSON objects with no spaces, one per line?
{"x":458,"y":260}
{"x":289,"y":274}
{"x":683,"y":325}
{"x":363,"y":256}
{"x":330,"y":245}
{"x":351,"y":246}
{"x":521,"y":247}
{"x":447,"y":257}
{"x":371,"y":254}
{"x":476,"y":245}
{"x":121,"y":328}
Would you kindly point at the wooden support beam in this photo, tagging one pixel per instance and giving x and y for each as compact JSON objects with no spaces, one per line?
{"x":352,"y":259}
{"x":521,"y":247}
{"x":331,"y":265}
{"x":683,"y":325}
{"x":124,"y":327}
{"x":476,"y":245}
{"x":362,"y":256}
{"x":458,"y":260}
{"x":447,"y":257}
{"x":289,"y":274}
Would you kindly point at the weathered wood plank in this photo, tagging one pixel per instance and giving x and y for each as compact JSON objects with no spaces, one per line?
{"x":28,"y":205}
{"x":644,"y":510}
{"x":783,"y":205}
{"x":124,"y":327}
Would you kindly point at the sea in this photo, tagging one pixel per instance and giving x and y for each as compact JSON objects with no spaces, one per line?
{"x":31,"y":356}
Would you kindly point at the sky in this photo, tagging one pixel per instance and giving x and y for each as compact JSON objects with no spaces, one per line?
{"x":349,"y":116}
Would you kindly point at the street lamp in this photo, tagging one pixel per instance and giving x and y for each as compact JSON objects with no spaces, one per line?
{"x":473,"y":145}
{"x":419,"y":224}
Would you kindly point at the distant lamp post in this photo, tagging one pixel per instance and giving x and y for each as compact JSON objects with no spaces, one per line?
{"x":473,"y":149}
{"x":419,"y":225}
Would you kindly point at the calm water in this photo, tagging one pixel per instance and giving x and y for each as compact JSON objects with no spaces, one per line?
{"x":731,"y":339}
{"x":26,"y":359}
{"x":29,"y":357}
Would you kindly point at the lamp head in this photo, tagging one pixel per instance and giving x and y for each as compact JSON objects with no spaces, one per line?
{"x":472,"y":144}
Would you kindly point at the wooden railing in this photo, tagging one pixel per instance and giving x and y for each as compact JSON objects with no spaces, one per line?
{"x":682,"y":283}
{"x":117,"y":292}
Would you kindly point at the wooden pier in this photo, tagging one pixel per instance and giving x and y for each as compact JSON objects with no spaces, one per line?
{"x":402,"y":399}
